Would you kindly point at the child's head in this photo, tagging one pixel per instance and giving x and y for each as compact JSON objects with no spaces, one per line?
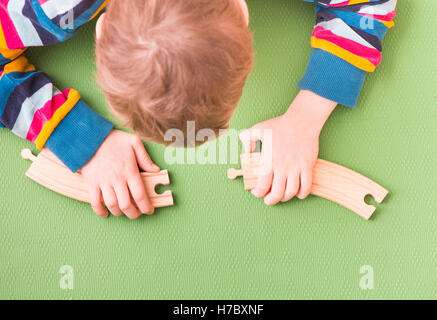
{"x":162,"y":63}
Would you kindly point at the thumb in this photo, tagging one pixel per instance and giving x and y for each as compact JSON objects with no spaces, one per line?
{"x":143,"y":158}
{"x":250,"y":137}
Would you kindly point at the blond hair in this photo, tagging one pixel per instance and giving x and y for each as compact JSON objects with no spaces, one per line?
{"x":162,"y":63}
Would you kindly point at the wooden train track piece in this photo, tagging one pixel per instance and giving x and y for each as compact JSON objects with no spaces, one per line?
{"x":330,"y":181}
{"x":48,"y":171}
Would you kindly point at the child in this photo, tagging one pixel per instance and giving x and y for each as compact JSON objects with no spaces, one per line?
{"x":347,"y":44}
{"x":161,"y":62}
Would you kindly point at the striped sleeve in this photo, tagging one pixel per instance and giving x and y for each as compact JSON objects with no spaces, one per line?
{"x":27,"y":23}
{"x":30,"y":105}
{"x":347,"y":44}
{"x":34,"y":109}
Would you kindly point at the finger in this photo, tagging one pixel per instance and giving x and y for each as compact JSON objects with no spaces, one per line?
{"x":96,"y":202}
{"x":143,"y":158}
{"x":292,"y":187}
{"x":125,"y":201}
{"x":249,"y":144}
{"x":263,"y":185}
{"x":111,"y":202}
{"x":250,"y":137}
{"x":278,"y":189}
{"x":139,"y":194}
{"x":306,"y":183}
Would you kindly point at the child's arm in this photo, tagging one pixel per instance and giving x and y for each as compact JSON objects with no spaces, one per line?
{"x":347,"y":44}
{"x":30,"y":105}
{"x":34,"y":109}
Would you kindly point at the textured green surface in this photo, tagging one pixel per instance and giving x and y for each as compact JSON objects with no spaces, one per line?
{"x":219,"y":241}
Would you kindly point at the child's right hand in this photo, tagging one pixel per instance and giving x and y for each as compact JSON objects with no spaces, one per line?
{"x":290,"y":148}
{"x":114,"y":178}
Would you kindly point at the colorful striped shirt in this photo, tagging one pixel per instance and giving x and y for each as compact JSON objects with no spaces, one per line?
{"x":347,"y":44}
{"x":30,"y":105}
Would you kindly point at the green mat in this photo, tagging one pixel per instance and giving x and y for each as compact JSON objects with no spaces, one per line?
{"x":219,"y":242}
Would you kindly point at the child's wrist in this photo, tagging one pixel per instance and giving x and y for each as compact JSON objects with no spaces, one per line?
{"x":310,"y":109}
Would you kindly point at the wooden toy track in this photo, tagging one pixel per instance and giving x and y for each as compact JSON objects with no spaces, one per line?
{"x":50,"y":172}
{"x":330,"y":181}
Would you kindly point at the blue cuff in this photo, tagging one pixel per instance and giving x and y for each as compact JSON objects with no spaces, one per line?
{"x":333,"y":78}
{"x":77,"y":138}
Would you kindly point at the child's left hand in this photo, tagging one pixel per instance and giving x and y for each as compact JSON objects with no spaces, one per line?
{"x":290,"y":146}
